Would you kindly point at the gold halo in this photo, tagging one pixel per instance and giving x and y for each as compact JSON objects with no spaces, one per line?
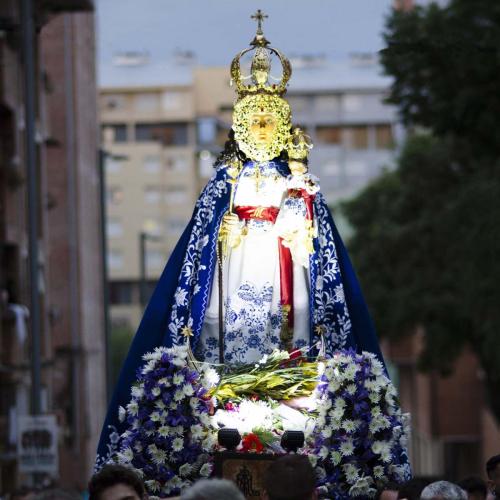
{"x":251,"y":104}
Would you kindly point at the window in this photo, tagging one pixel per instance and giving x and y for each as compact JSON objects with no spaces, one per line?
{"x":146,"y":102}
{"x":383,"y":136}
{"x":176,"y":163}
{"x":170,"y":134}
{"x":115,"y":259}
{"x":151,"y":164}
{"x":113,"y":102}
{"x":121,"y":292}
{"x":114,"y":195}
{"x":114,"y":227}
{"x":352,"y":103}
{"x":329,"y":134}
{"x":116,"y":132}
{"x":154,"y":258}
{"x":113,"y":165}
{"x":175,"y":194}
{"x":152,"y":194}
{"x":171,"y":100}
{"x":357,"y":137}
{"x":207,"y":130}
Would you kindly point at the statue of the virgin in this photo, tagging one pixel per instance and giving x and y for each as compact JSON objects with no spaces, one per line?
{"x":260,"y":265}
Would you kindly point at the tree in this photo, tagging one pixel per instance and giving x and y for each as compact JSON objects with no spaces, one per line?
{"x":427,"y":235}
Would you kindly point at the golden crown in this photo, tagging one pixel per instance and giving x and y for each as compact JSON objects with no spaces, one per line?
{"x":260,"y":70}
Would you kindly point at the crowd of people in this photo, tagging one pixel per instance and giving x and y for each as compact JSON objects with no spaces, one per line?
{"x":290,"y":477}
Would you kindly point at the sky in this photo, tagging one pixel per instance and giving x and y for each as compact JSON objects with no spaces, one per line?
{"x":215,"y":30}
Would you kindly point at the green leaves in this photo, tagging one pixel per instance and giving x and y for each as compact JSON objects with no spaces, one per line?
{"x":427,"y":235}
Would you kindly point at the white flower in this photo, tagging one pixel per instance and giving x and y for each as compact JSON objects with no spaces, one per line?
{"x":178,"y":395}
{"x":155,"y":416}
{"x":347,"y":448}
{"x":133,"y":408}
{"x":164,"y":381}
{"x":185,"y":470}
{"x":340,"y":403}
{"x":175,"y":483}
{"x":160,"y":404}
{"x":351,"y":473}
{"x":158,"y":455}
{"x":188,"y":390}
{"x":211,"y":377}
{"x":350,"y":371}
{"x":178,"y":444}
{"x":178,"y":379}
{"x":349,"y":426}
{"x":206,"y":469}
{"x":351,"y":389}
{"x":378,"y":471}
{"x":336,"y":457}
{"x":125,"y":456}
{"x":137,"y":391}
{"x":326,"y":432}
{"x":122,"y":413}
{"x":362,"y":488}
{"x":156,"y":391}
{"x":337,"y":413}
{"x":333,"y":385}
{"x":164,"y":431}
{"x":196,"y":432}
{"x":149,"y":366}
{"x":152,"y":485}
{"x":323,"y":452}
{"x":209,"y":442}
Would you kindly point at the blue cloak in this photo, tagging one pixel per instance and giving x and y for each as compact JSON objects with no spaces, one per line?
{"x":337,"y":306}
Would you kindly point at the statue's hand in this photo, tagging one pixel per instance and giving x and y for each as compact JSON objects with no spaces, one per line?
{"x":229,"y":221}
{"x":231,"y":231}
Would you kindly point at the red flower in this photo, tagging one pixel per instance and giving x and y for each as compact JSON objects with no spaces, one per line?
{"x":251,"y":442}
{"x":229,"y":406}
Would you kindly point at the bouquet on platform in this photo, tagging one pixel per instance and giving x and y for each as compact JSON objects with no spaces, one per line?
{"x":346,"y":406}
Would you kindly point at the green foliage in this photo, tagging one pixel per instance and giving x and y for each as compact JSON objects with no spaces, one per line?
{"x":427,"y":235}
{"x":121,"y":338}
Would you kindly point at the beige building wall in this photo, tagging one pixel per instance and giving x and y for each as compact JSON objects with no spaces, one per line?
{"x":151,"y":184}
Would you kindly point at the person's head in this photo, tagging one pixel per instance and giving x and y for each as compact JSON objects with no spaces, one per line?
{"x":290,"y":478}
{"x":411,"y":489}
{"x":475,"y":487}
{"x":116,"y":482}
{"x":493,"y":473}
{"x":388,"y":492}
{"x":443,"y":490}
{"x":213,"y":489}
{"x":261,"y":125}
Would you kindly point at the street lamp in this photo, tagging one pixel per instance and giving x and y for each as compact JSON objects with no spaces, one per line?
{"x":102,"y":157}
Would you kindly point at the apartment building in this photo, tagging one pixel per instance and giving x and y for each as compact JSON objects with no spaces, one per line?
{"x":70,"y":280}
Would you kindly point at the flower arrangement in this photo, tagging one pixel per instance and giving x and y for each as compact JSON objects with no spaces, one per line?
{"x":169,"y":435}
{"x":360,"y":435}
{"x":354,"y":430}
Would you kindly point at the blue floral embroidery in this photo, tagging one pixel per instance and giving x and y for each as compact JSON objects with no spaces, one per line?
{"x":251,"y":325}
{"x":329,"y":308}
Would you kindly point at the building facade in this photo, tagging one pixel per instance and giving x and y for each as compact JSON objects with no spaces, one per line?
{"x":70,"y":277}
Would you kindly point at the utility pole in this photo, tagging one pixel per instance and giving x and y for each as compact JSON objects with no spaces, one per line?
{"x":32,"y":175}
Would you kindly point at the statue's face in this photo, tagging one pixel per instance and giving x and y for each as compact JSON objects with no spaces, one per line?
{"x":262,"y":126}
